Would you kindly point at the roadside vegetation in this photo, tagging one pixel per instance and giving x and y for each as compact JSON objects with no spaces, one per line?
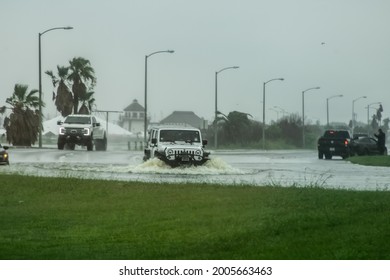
{"x":23,"y":123}
{"x":75,"y":84}
{"x":23,"y":116}
{"x":68,"y":218}
{"x":371,"y":160}
{"x":238,"y":130}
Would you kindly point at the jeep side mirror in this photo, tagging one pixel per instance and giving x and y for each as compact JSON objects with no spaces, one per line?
{"x":154,"y":141}
{"x":59,"y":122}
{"x":204,"y":142}
{"x":96,"y":124}
{"x":5,"y":147}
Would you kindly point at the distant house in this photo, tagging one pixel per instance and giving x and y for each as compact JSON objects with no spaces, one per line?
{"x":186,"y":118}
{"x":133,"y":118}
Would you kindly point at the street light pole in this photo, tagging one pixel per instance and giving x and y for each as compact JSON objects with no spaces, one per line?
{"x":303,"y":114}
{"x":368,"y":116}
{"x":146,"y":89}
{"x":327,"y":107}
{"x":276,"y":111}
{"x":40,"y":78}
{"x":216,"y":104}
{"x":282,"y":110}
{"x":263,"y":130}
{"x":353,"y":112}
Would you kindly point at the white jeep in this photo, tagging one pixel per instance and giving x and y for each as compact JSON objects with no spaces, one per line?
{"x":81,"y":130}
{"x":176,"y":146}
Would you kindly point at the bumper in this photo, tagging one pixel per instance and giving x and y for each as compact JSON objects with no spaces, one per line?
{"x":336,"y":151}
{"x":76,"y":139}
{"x":185,"y":159}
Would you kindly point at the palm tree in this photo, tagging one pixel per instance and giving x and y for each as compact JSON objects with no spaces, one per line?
{"x":23,"y":124}
{"x":88,"y":101}
{"x":83,"y":77}
{"x":64,"y":98}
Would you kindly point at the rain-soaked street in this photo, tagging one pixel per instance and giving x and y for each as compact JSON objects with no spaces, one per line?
{"x":254,"y":167}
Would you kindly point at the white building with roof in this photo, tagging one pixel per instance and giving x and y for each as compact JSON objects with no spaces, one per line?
{"x":133,"y":118}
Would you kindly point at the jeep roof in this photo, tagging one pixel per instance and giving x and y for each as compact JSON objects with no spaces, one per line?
{"x":172,"y":133}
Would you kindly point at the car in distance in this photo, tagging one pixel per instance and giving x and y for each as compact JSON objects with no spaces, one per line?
{"x":366,"y":146}
{"x":335,"y":143}
{"x":176,"y":146}
{"x":83,"y":130}
{"x":4,"y":156}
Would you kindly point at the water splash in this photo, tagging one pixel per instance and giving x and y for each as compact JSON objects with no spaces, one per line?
{"x":215,"y":166}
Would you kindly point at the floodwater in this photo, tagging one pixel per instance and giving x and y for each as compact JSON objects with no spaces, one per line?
{"x":299,"y":168}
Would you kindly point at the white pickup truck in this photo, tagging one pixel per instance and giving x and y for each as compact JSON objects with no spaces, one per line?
{"x":81,"y":130}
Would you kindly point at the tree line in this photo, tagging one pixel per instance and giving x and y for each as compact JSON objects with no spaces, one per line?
{"x":238,"y":129}
{"x":73,"y":94}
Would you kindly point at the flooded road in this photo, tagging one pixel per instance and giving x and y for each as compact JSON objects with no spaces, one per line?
{"x":254,"y":167}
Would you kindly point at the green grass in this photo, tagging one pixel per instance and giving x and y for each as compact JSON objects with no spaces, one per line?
{"x":52,"y":218}
{"x":371,"y":160}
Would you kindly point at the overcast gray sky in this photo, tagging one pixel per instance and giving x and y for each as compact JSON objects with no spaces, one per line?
{"x":342,"y":46}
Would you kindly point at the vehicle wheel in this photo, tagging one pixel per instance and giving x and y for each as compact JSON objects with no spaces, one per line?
{"x":146,"y":155}
{"x":90,"y":146}
{"x":328,"y":156}
{"x":60,"y":145}
{"x":320,"y":155}
{"x":97,"y":145}
{"x":103,"y":144}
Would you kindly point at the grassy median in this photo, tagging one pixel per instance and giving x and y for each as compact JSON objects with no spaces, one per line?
{"x":51,"y":218}
{"x":371,"y":160}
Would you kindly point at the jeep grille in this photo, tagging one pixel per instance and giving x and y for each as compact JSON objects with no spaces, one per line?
{"x":196,"y":154}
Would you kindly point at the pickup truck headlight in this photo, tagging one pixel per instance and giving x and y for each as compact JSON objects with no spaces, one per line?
{"x":62,"y":131}
{"x":86,"y":131}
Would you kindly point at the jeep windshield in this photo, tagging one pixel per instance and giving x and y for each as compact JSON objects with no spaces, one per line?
{"x":79,"y":120}
{"x":189,"y":136}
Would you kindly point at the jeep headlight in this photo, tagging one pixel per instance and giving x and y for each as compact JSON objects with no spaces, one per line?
{"x":62,"y":131}
{"x":169,"y":152}
{"x":197,"y":152}
{"x":86,"y":131}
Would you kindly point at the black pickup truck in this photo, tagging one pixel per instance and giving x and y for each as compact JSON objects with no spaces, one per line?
{"x":335,"y":143}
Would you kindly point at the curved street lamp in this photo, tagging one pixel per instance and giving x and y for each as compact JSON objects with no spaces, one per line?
{"x":146,"y":89}
{"x":40,"y":78}
{"x":303,"y":114}
{"x":327,"y":107}
{"x":276,"y":79}
{"x":216,"y":103}
{"x":353,"y":112}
